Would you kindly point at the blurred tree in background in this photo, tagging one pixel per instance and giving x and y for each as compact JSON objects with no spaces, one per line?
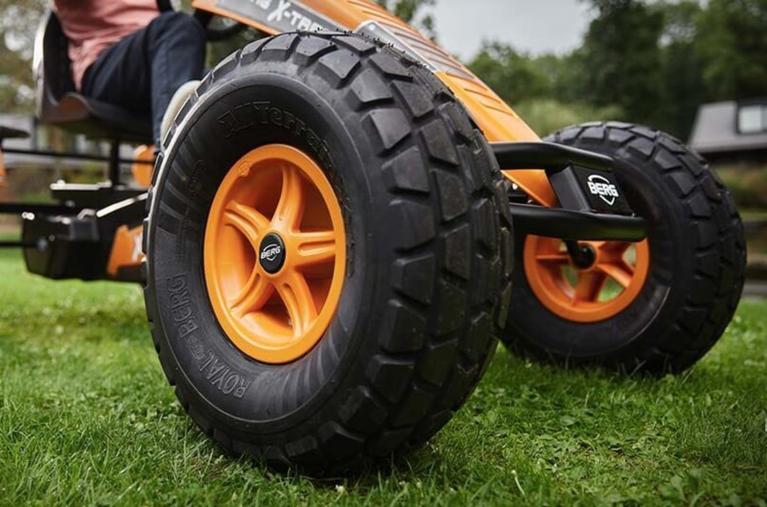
{"x":514,"y":74}
{"x":732,"y":44}
{"x":18,"y":21}
{"x":681,"y":71}
{"x":644,"y":61}
{"x":412,"y":11}
{"x":619,"y":61}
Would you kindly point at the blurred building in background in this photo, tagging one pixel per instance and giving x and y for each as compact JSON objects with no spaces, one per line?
{"x":30,"y":175}
{"x":732,"y":131}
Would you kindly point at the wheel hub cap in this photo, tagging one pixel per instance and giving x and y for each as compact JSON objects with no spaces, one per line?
{"x":271,"y":253}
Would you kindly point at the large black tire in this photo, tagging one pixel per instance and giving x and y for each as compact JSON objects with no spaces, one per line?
{"x":696,"y":270}
{"x":429,"y":253}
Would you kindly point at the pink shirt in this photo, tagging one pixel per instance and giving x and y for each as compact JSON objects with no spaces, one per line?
{"x":94,"y":25}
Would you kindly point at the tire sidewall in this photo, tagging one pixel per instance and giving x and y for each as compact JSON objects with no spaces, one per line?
{"x":214,"y":371}
{"x":429,"y":251}
{"x":649,"y":317}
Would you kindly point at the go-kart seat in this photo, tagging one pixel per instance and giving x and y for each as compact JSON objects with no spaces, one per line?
{"x":59,"y":104}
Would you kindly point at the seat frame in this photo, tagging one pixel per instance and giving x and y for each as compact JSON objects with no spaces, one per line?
{"x":59,"y":103}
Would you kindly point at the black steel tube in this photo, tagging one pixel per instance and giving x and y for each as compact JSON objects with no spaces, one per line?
{"x":17,"y":208}
{"x":114,"y":164}
{"x":18,"y":244}
{"x":577,"y":225}
{"x":75,"y":156}
{"x":548,"y":156}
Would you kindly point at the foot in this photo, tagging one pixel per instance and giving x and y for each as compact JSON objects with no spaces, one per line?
{"x":176,"y":103}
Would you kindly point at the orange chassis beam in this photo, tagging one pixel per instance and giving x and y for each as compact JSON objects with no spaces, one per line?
{"x":496,"y":119}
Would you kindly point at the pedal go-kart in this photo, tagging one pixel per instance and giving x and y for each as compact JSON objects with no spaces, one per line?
{"x":336,"y":220}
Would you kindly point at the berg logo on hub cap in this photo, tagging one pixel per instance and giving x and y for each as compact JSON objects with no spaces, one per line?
{"x":271,"y":253}
{"x":602,"y":187}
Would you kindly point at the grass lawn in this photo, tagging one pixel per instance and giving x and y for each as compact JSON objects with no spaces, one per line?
{"x":86,"y":417}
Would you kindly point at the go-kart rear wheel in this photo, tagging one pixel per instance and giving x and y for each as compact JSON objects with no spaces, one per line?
{"x":658,"y":305}
{"x":328,"y":253}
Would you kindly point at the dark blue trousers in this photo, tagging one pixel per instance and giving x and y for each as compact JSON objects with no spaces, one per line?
{"x":141,"y":72}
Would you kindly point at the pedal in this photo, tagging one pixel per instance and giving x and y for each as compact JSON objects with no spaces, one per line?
{"x":65,"y":247}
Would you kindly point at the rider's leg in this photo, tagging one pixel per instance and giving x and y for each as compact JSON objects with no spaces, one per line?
{"x":143,"y":71}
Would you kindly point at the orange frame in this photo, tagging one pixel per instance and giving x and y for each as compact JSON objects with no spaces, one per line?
{"x":497,"y":120}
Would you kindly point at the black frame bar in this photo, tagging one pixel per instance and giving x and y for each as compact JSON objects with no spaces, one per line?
{"x":17,"y":208}
{"x":75,"y":156}
{"x":577,"y":225}
{"x":548,"y":156}
{"x":114,"y":188}
{"x":574,"y":220}
{"x":19,"y":244}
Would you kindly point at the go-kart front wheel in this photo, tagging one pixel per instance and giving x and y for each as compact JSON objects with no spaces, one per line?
{"x":328,"y":253}
{"x":658,"y":305}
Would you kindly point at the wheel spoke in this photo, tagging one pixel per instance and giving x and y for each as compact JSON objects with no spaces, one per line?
{"x":248,"y":221}
{"x":253,"y":296}
{"x":589,"y":286}
{"x":298,"y":300}
{"x":553,"y":258}
{"x":290,"y":208}
{"x":620,"y":271}
{"x":315,"y":247}
{"x":614,"y":249}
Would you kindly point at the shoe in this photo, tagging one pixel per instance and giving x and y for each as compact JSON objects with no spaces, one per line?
{"x":176,"y":103}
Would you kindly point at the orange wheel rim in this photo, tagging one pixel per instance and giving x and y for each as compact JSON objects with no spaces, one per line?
{"x":275,"y":254}
{"x":587,"y":295}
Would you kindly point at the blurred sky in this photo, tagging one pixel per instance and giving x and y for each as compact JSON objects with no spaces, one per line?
{"x":536,"y":26}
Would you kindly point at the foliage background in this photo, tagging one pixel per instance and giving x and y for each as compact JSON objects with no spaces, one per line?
{"x":646,"y":61}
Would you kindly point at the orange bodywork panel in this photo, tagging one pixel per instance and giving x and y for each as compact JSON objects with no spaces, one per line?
{"x":3,"y":175}
{"x":126,"y":250}
{"x":496,"y":119}
{"x":142,"y":168}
